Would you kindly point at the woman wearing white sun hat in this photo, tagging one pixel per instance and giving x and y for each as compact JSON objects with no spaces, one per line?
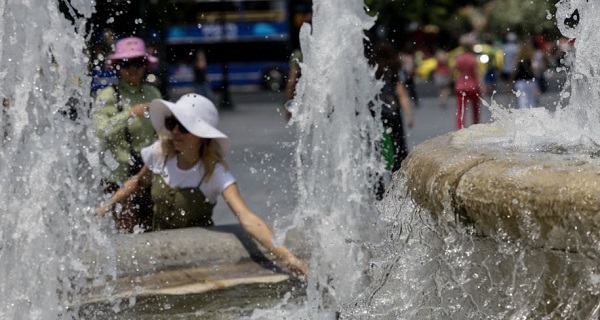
{"x":187,"y":172}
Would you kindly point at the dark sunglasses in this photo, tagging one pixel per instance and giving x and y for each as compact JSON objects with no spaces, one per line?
{"x":136,"y":62}
{"x":172,"y":122}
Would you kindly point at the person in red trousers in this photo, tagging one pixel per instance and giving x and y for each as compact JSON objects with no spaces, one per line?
{"x":467,"y":81}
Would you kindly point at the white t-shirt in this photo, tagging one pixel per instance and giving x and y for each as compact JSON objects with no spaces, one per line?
{"x":178,"y":178}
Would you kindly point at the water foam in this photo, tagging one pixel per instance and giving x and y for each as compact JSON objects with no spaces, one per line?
{"x":336,"y":161}
{"x":47,"y":160}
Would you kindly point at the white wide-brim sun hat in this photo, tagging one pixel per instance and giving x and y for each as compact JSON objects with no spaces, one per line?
{"x":195,"y":112}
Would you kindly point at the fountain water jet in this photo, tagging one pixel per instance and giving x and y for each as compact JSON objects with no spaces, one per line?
{"x":46,"y":191}
{"x":51,"y":177}
{"x":336,"y":160}
{"x":500,"y":220}
{"x":446,"y":258}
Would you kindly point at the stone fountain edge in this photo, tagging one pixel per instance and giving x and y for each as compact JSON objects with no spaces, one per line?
{"x":546,"y":203}
{"x":187,"y":261}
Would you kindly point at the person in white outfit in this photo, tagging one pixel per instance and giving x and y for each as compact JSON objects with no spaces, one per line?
{"x":526,"y":87}
{"x":509,"y":50}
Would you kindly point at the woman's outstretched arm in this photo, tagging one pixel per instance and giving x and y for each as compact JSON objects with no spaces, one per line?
{"x":142,"y":178}
{"x":258,"y":229}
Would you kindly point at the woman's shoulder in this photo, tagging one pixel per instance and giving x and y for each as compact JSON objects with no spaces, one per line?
{"x":221,"y":173}
{"x":221,"y":168}
{"x":220,"y":179}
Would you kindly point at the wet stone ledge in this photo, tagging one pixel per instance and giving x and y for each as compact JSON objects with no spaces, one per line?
{"x":532,"y":220}
{"x":214,"y":262}
{"x":543,"y":199}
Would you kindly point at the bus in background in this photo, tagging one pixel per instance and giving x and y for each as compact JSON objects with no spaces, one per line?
{"x":248,"y":39}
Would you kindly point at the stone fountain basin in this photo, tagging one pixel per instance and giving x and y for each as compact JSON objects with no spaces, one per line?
{"x":209,"y":261}
{"x":545,"y":199}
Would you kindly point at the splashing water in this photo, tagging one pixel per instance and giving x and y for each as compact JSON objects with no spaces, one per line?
{"x":431,"y":267}
{"x":45,"y":189}
{"x":49,"y":176}
{"x":422,"y":270}
{"x":573,"y":126}
{"x":336,"y":160}
{"x":584,"y":72}
{"x":425,"y":268}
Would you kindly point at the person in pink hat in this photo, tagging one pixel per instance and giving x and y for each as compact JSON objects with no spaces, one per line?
{"x":186,"y":172}
{"x":124,"y":130}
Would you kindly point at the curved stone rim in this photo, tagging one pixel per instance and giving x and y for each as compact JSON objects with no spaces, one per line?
{"x":188,"y":261}
{"x":549,"y":201}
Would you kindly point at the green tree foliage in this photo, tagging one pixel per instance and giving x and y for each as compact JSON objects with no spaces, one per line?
{"x":527,"y":17}
{"x":413,"y":10}
{"x":398,"y":12}
{"x":420,"y":11}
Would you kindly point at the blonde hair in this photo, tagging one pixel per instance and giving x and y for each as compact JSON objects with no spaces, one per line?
{"x":210,"y":153}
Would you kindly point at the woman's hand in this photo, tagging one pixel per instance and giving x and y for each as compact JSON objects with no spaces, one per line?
{"x":139,"y":109}
{"x":294,"y":265}
{"x":104,"y":208}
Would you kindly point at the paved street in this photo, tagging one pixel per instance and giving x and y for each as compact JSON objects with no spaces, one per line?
{"x":262,"y":145}
{"x":260,"y":159}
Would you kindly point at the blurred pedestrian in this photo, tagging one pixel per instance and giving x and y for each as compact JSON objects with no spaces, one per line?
{"x":526,"y":87}
{"x":468,"y":82}
{"x":540,"y":63}
{"x":442,"y":76}
{"x":124,"y":128}
{"x":509,"y":51}
{"x":408,"y":74}
{"x":201,"y":84}
{"x":492,"y":57}
{"x":395,"y":105}
{"x":294,"y":73}
{"x":186,"y":171}
{"x":292,"y":80}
